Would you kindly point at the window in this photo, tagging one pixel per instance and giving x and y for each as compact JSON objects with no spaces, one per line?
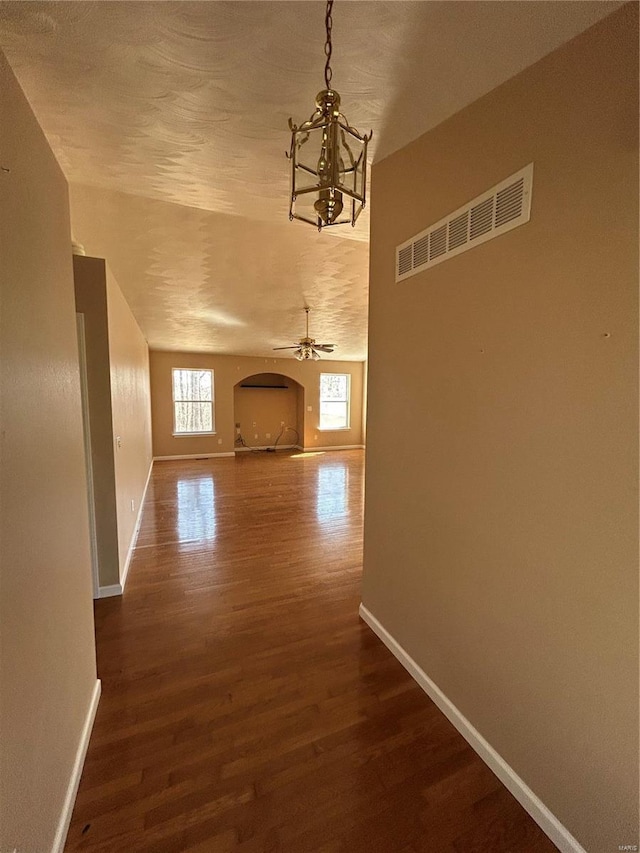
{"x":334,"y":400}
{"x":192,"y":401}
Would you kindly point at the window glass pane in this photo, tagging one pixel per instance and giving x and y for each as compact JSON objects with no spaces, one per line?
{"x":334,"y":400}
{"x":333,"y":414}
{"x":333,"y":386}
{"x":192,"y":385}
{"x":193,"y":417}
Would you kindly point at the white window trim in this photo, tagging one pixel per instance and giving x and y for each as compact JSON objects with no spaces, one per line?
{"x":191,"y":434}
{"x":335,"y":429}
{"x":213,"y":405}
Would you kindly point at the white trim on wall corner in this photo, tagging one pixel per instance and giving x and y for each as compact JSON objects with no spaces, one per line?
{"x":546,"y":820}
{"x":76,"y":772}
{"x":134,"y":535}
{"x":109,"y":591}
{"x":192,"y":456}
{"x":335,"y":447}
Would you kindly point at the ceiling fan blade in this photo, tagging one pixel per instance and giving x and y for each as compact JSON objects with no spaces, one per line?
{"x":297,"y":346}
{"x":324,"y":347}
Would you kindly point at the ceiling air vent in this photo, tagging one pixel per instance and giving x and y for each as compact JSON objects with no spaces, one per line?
{"x":498,"y":210}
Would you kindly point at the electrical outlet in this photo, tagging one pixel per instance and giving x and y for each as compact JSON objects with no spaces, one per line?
{"x":133,"y":506}
{"x":267,"y":435}
{"x":309,"y":408}
{"x":315,"y":437}
{"x":281,"y":423}
{"x":254,"y":423}
{"x":118,"y":442}
{"x":256,"y":435}
{"x":219,"y":441}
{"x":237,"y":430}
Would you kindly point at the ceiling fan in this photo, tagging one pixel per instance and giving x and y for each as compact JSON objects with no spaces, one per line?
{"x":308,"y":348}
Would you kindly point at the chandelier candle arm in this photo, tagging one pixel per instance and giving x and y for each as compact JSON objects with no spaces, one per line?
{"x":328,"y":158}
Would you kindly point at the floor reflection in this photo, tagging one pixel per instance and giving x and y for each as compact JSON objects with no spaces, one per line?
{"x":196,"y":508}
{"x":331,"y":495}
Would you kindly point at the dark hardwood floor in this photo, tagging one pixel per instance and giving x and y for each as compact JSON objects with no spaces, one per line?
{"x":245,"y":707}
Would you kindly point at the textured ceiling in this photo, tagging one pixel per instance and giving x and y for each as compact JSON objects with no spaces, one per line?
{"x":170,"y":122}
{"x":224,"y":283}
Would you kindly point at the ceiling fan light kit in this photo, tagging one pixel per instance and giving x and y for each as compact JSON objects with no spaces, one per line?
{"x":306,"y":352}
{"x":328,"y":159}
{"x":308,"y":348}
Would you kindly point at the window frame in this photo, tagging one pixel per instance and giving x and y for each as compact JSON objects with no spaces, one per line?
{"x":348,"y":402}
{"x":175,"y":432}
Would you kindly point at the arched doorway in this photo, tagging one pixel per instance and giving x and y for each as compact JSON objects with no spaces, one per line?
{"x":268,"y":412}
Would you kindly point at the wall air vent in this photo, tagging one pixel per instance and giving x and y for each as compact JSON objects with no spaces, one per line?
{"x":498,"y":210}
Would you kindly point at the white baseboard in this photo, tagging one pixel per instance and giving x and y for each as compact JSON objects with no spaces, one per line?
{"x":76,"y":772}
{"x":546,"y":820}
{"x":109,"y":591}
{"x":136,"y":530}
{"x":192,"y":456}
{"x":336,"y":447}
{"x":266,"y":447}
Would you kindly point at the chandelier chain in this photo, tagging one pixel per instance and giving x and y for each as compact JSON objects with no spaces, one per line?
{"x":328,"y":47}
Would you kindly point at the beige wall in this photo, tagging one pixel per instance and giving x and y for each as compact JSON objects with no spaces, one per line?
{"x":91,"y":302}
{"x":501,"y":537}
{"x":119,"y":412}
{"x":228,"y":372}
{"x":47,"y":646}
{"x":131,"y":410}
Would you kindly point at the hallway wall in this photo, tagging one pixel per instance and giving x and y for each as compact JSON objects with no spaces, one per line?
{"x":501,"y":545}
{"x":131,"y":408}
{"x":91,"y":302}
{"x":48,"y":668}
{"x":119,"y":413}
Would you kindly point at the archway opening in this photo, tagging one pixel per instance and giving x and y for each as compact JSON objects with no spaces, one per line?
{"x":268,"y":412}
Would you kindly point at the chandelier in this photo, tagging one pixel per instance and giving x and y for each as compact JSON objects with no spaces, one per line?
{"x":328,"y":159}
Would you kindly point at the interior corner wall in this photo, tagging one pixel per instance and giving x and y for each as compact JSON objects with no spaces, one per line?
{"x":228,"y":371}
{"x":48,"y":670}
{"x":131,"y":417}
{"x":501,"y":543}
{"x":91,"y":301}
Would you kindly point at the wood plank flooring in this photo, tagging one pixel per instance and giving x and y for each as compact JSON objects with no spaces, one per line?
{"x":245,"y":707}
